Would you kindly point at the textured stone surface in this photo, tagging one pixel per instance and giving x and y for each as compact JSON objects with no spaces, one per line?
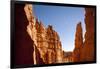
{"x":45,"y":39}
{"x":36,"y":44}
{"x":78,"y":43}
{"x":88,"y":53}
{"x":34,"y":29}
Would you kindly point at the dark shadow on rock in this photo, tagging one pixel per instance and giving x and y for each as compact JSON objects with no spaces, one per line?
{"x":23,"y":45}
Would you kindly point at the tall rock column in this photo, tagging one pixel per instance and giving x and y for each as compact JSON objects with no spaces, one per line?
{"x":78,"y":43}
{"x":88,"y":50}
{"x":55,"y":53}
{"x":51,"y":45}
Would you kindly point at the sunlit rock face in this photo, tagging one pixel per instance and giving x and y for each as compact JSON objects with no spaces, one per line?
{"x":31,"y":22}
{"x":42,"y":44}
{"x":46,"y":40}
{"x":78,"y":43}
{"x":54,"y":46}
{"x":36,"y":44}
{"x":88,"y":53}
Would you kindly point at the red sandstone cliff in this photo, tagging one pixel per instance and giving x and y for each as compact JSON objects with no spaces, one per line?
{"x":36,"y":44}
{"x":88,"y":52}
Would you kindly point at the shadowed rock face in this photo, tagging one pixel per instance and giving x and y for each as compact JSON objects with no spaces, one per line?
{"x":88,"y":49}
{"x":78,"y":43}
{"x":23,"y":44}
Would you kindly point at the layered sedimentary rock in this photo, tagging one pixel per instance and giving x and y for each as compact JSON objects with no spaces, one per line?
{"x":78,"y":43}
{"x":41,"y":40}
{"x":36,"y":44}
{"x":32,"y":31}
{"x":54,"y":46}
{"x":46,"y":40}
{"x":88,"y":53}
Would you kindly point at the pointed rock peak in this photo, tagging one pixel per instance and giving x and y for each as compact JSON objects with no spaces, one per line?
{"x":50,"y":27}
{"x":79,"y":24}
{"x":78,"y":36}
{"x":37,"y":20}
{"x":79,"y":27}
{"x":41,"y":23}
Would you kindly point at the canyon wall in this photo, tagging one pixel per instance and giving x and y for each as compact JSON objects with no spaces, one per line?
{"x":88,"y":51}
{"x":36,"y":44}
{"x":46,"y":40}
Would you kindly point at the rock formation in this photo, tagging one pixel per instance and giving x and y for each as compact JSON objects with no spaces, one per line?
{"x":33,"y":33}
{"x":54,"y":46}
{"x":35,"y":44}
{"x":78,"y":43}
{"x":88,"y":52}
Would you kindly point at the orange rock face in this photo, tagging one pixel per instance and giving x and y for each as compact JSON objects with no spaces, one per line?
{"x":36,"y":44}
{"x":85,"y":51}
{"x":46,"y":40}
{"x":78,"y":43}
{"x":54,"y":46}
{"x":88,"y":53}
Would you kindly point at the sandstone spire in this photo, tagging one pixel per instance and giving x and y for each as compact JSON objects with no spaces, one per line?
{"x":78,"y":43}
